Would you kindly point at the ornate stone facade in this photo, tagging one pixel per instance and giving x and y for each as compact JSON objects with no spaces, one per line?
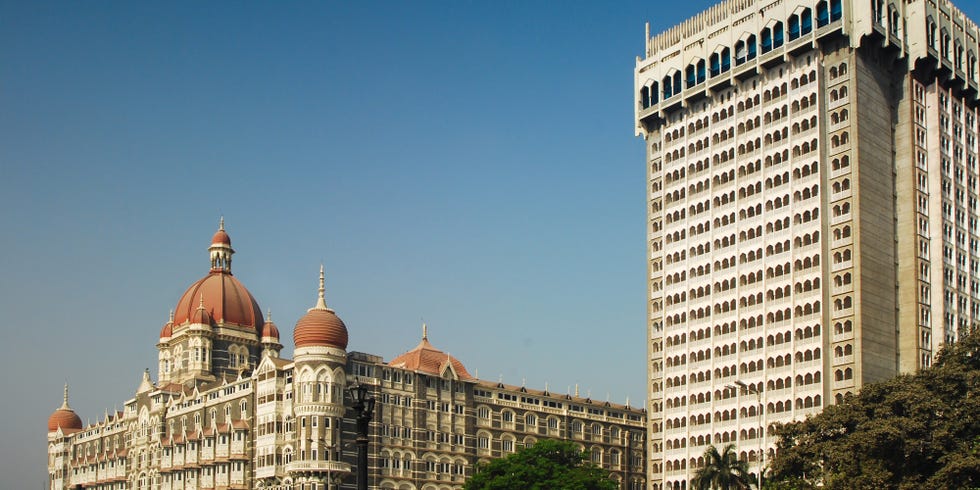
{"x":227,"y":412}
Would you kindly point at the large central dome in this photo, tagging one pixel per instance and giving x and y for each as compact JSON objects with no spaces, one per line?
{"x":224,"y":298}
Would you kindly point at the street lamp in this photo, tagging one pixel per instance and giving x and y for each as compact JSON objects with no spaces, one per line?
{"x":762,"y":419}
{"x":363,"y":406}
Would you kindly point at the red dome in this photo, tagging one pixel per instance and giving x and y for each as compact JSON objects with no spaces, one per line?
{"x":320,"y":326}
{"x":65,"y":418}
{"x":201,"y":316}
{"x":226,"y":301}
{"x":167,"y":331}
{"x":221,"y":237}
{"x":270,"y":330}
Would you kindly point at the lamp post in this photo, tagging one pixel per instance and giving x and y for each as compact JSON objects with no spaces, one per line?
{"x":762,"y":420}
{"x":363,"y":406}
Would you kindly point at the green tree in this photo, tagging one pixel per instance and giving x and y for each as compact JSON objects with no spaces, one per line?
{"x":546,"y":465}
{"x":912,"y":431}
{"x":723,"y":471}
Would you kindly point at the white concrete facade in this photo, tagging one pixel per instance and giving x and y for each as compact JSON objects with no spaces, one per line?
{"x":812,"y":204}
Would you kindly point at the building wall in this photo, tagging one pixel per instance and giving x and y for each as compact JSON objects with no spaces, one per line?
{"x":879,"y":144}
{"x":289,"y":424}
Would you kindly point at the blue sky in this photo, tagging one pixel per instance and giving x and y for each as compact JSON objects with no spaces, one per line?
{"x":469,"y":164}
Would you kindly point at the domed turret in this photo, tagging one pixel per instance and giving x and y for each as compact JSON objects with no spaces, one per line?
{"x":320,"y":326}
{"x":201,"y":315}
{"x":168,"y":328}
{"x":64,"y":417}
{"x":270,"y":332}
{"x":221,"y":237}
{"x":270,"y":338}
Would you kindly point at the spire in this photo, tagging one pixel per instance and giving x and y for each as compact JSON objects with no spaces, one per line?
{"x":321,"y":303}
{"x":171,"y":315}
{"x":201,"y":305}
{"x":425,"y":332}
{"x":221,"y":224}
{"x":64,"y":404}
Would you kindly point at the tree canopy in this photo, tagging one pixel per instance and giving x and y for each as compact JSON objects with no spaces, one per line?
{"x":913,"y":431}
{"x":722,"y":470}
{"x":546,"y":465}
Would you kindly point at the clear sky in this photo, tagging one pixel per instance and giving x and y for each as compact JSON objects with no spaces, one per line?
{"x":469,"y":164}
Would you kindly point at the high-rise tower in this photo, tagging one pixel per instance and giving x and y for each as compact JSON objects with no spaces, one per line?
{"x":812,"y":203}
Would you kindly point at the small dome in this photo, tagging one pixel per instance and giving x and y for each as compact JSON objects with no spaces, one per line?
{"x":68,"y":420}
{"x":221,"y":238}
{"x":168,"y":328}
{"x":201,"y":316}
{"x":64,"y":417}
{"x":269,"y":330}
{"x":320,"y":326}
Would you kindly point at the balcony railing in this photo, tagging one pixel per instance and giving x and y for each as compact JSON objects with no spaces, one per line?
{"x":317,"y":466}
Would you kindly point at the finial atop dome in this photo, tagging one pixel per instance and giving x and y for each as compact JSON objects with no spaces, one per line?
{"x":201,"y":306}
{"x":64,"y":405}
{"x":321,"y":302}
{"x":425,"y":332}
{"x":268,"y":315}
{"x":221,"y":223}
{"x":171,"y":315}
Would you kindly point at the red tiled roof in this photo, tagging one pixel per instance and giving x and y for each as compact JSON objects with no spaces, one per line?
{"x":427,"y":359}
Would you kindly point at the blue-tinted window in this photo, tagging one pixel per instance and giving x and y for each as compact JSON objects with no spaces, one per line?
{"x":751,"y":48}
{"x":766,"y":40}
{"x":806,"y":22}
{"x":835,"y":10}
{"x":726,"y":59}
{"x":777,"y":35}
{"x":689,"y":75}
{"x":715,"y":65}
{"x":794,"y":27}
{"x":701,"y":71}
{"x":823,"y":15}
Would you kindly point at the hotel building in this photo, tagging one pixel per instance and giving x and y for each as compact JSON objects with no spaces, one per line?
{"x":812,"y":190}
{"x":227,"y":412}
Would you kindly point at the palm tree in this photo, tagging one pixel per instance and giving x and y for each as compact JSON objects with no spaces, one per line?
{"x":722,"y":471}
